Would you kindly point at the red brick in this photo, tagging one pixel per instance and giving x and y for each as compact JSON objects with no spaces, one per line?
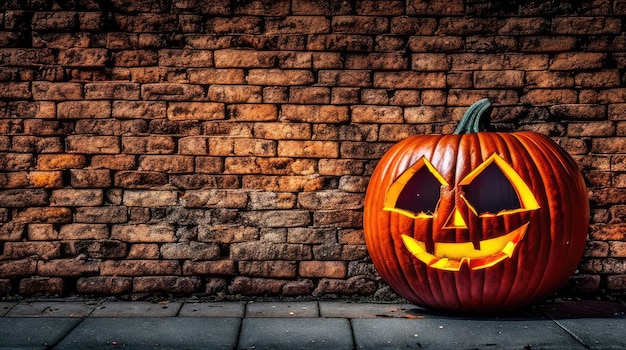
{"x":17,"y":161}
{"x":279,"y":77}
{"x":112,"y":90}
{"x":297,"y":25}
{"x":313,"y":7}
{"x":345,"y":78}
{"x":235,"y":93}
{"x":172,"y":92}
{"x":140,"y":267}
{"x":253,"y":112}
{"x":429,"y":44}
{"x":166,"y":284}
{"x":43,"y":215}
{"x":285,"y":131}
{"x":601,"y":79}
{"x":270,"y":251}
{"x":353,"y":285}
{"x":28,"y":109}
{"x":113,"y":162}
{"x":330,"y":269}
{"x":228,"y":234}
{"x":545,"y":79}
{"x":67,"y":267}
{"x":143,"y":251}
{"x":409,"y":80}
{"x":42,"y":250}
{"x":545,"y":97}
{"x":83,"y":57}
{"x":76,"y":197}
{"x":315,"y":113}
{"x":271,"y":269}
{"x":263,"y":8}
{"x":42,"y":232}
{"x":96,"y":249}
{"x":360,"y":24}
{"x":150,"y":198}
{"x":84,"y":231}
{"x":215,"y":76}
{"x":244,"y":59}
{"x":340,"y":42}
{"x":92,"y":144}
{"x":42,"y":286}
{"x":195,"y":111}
{"x":255,"y":286}
{"x":190,"y":251}
{"x":578,"y":61}
{"x":104,"y":285}
{"x":338,"y":218}
{"x":167,"y":164}
{"x":298,"y":287}
{"x":466,"y":25}
{"x":15,"y":91}
{"x":81,"y":178}
{"x":147,"y":22}
{"x":422,"y":7}
{"x":215,"y":199}
{"x":148,"y":145}
{"x":524,"y":26}
{"x":36,"y":144}
{"x":548,"y":43}
{"x":586,"y":25}
{"x":23,"y":198}
{"x":56,"y":91}
{"x":144,"y":233}
{"x":216,"y":267}
{"x":309,"y":95}
{"x":186,"y":57}
{"x":308,"y":149}
{"x":138,"y":109}
{"x":135,"y":58}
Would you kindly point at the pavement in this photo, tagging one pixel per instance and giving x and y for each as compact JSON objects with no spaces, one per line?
{"x":192,"y":324}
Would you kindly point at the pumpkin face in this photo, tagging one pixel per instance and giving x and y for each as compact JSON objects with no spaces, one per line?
{"x":481,"y":221}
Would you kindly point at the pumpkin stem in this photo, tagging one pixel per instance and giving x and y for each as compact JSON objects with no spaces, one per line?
{"x":476,"y":118}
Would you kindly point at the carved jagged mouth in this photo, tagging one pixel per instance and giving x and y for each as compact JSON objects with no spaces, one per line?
{"x":451,"y":256}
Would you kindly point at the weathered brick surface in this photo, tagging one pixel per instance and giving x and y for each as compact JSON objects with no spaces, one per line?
{"x":225,"y":147}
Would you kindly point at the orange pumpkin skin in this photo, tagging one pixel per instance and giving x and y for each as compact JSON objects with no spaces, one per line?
{"x":540,"y":263}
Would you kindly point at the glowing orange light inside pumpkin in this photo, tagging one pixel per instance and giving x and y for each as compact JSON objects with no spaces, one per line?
{"x":416,"y":194}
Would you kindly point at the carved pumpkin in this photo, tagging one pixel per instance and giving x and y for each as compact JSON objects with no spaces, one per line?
{"x":476,"y":221}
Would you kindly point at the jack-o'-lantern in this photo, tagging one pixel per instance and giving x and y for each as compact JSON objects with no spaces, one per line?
{"x":476,"y":221}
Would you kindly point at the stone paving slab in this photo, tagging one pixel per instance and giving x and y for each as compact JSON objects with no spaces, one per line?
{"x":282,"y":309}
{"x":597,"y":333}
{"x":449,"y":333}
{"x":51,"y":309}
{"x":362,"y":310}
{"x":136,"y":309}
{"x":213,"y":309}
{"x":34,"y":333}
{"x":153,"y":333}
{"x":295,"y":333}
{"x":583,"y":309}
{"x":6,"y":306}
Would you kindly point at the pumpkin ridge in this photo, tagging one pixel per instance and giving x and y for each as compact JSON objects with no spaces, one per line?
{"x":533,"y":177}
{"x":553,"y":157}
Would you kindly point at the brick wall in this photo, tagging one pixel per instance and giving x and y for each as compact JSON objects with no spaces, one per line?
{"x":224,"y":146}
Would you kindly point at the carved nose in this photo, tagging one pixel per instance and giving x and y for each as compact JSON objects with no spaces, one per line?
{"x":455,"y":220}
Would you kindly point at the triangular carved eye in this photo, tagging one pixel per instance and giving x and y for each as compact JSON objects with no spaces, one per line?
{"x":416,"y":192}
{"x":491,"y":192}
{"x":495,"y":188}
